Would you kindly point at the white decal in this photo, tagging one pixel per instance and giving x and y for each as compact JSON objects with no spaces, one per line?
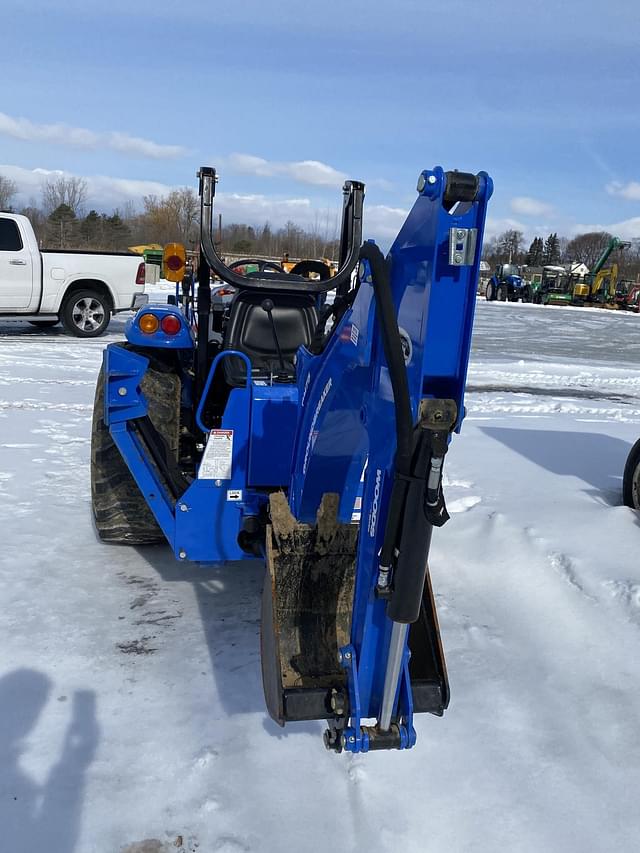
{"x":234,"y":494}
{"x":355,"y":334}
{"x":217,"y":459}
{"x":313,"y":434}
{"x":373,"y":515}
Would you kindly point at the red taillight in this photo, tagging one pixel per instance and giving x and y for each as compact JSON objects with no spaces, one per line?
{"x":140,"y":275}
{"x":225,"y":291}
{"x":170,"y":324}
{"x":174,"y":262}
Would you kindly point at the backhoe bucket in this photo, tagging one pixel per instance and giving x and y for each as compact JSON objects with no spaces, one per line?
{"x":306,"y":609}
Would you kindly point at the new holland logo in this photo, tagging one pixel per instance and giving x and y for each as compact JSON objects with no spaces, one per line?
{"x":373,"y":515}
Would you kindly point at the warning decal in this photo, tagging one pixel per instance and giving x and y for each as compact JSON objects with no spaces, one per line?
{"x":216,"y":462}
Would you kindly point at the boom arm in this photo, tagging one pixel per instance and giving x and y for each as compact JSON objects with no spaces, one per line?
{"x":614,"y":243}
{"x":398,"y":357}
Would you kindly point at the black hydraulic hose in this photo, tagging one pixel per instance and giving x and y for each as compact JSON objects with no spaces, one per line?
{"x":411,"y":567}
{"x":392,"y":345}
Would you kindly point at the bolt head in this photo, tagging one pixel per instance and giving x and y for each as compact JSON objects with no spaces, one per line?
{"x":347,"y":655}
{"x":431,"y":179}
{"x":218,"y":482}
{"x":352,"y":739}
{"x":421,"y":183}
{"x":122,"y":391}
{"x":458,"y":259}
{"x":182,"y":555}
{"x":184,"y":508}
{"x":460,"y":235}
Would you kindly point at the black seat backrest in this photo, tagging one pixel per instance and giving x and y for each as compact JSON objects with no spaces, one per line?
{"x":249,"y":330}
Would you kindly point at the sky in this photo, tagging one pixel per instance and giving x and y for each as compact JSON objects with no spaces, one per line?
{"x":288,"y":99}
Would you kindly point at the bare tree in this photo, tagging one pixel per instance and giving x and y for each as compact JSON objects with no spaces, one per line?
{"x":588,"y":247}
{"x":70,"y":191}
{"x":8,"y":189}
{"x":173,"y":217}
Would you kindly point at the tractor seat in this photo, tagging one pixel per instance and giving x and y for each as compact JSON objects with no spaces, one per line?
{"x":249,"y":330}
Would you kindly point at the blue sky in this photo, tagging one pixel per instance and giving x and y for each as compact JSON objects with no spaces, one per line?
{"x":288,"y":98}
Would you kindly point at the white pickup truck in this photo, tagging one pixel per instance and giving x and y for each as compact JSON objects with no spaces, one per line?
{"x":80,"y":289}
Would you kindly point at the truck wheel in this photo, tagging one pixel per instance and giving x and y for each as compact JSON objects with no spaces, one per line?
{"x":631,"y":478}
{"x":86,"y":313}
{"x":44,"y":324}
{"x":489,"y":292}
{"x":120,"y":512}
{"x":501,"y":293}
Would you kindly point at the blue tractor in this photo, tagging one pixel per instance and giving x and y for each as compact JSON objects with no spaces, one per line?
{"x":506,"y":284}
{"x":309,"y":434}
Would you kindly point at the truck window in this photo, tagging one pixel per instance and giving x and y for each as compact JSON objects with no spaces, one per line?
{"x":10,"y":239}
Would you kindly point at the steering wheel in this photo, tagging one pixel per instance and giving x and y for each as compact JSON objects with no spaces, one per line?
{"x":263,"y":266}
{"x":307,"y":268}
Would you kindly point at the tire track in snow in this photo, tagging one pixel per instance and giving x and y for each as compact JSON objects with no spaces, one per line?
{"x":41,"y":406}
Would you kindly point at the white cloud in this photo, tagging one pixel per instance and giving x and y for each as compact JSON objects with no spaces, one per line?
{"x":304,"y":171}
{"x":81,"y":137}
{"x":630,"y":191}
{"x":383,"y":222}
{"x":495,"y":226}
{"x":627,"y":229}
{"x":526,"y":206}
{"x":104,"y":193}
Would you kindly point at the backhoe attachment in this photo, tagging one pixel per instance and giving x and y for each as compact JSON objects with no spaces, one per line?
{"x":350,"y":631}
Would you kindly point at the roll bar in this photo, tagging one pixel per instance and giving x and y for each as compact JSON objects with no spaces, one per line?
{"x":351,"y":230}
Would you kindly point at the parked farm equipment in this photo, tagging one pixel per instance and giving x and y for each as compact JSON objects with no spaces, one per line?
{"x":507,"y":284}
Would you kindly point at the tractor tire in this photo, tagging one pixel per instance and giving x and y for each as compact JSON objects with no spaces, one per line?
{"x":631,"y":478}
{"x":501,"y":293}
{"x":121,"y":514}
{"x":43,"y":324}
{"x":526,"y":295}
{"x":86,"y":313}
{"x":490,"y":292}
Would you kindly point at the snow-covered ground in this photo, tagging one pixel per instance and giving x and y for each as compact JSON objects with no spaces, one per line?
{"x":130,"y":698}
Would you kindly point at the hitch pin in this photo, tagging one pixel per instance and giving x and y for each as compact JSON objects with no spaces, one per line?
{"x":433,"y":482}
{"x":384,"y":574}
{"x":383,"y":577}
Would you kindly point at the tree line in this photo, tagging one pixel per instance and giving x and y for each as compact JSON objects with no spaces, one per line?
{"x":60,"y":221}
{"x":585,"y":248}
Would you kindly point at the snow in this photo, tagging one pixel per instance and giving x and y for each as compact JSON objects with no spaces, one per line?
{"x":131,"y":708}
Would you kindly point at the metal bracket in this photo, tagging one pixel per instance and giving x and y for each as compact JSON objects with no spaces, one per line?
{"x":123,"y":399}
{"x":462,"y":246}
{"x":405,"y":705}
{"x":354,"y":738}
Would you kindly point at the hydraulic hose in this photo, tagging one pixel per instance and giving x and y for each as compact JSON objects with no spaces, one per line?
{"x":392,"y":346}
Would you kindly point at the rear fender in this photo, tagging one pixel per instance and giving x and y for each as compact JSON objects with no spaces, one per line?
{"x":183,"y":339}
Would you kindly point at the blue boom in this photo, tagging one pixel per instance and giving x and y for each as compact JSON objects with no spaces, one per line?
{"x":311,"y":434}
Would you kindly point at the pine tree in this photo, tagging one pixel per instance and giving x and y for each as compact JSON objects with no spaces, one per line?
{"x":61,"y":226}
{"x":534,"y":255}
{"x":117,"y":233}
{"x":551,"y":253}
{"x":90,"y":229}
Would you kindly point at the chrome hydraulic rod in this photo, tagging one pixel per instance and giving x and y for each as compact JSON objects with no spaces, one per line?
{"x":392,"y":674}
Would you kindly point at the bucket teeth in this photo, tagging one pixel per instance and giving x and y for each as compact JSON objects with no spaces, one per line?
{"x":310,"y":577}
